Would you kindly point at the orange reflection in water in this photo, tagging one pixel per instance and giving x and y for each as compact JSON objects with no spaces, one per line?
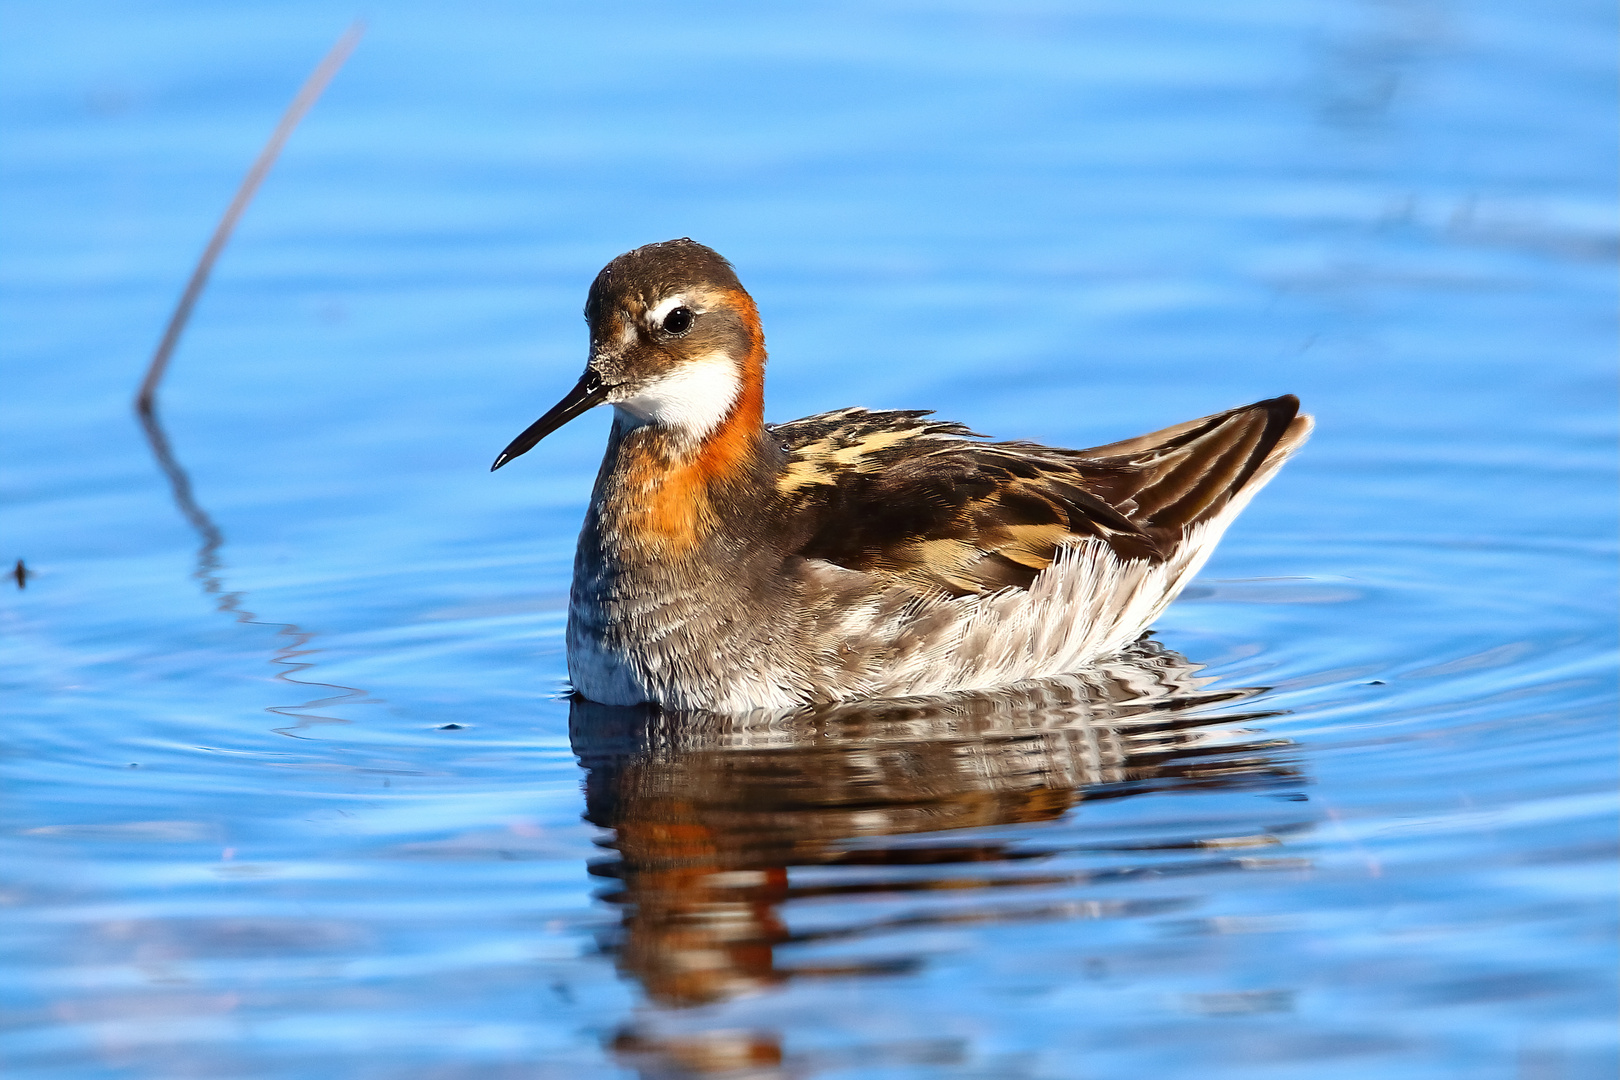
{"x":710,"y":813}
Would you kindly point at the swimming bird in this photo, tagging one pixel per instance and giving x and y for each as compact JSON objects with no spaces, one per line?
{"x":728,"y":565}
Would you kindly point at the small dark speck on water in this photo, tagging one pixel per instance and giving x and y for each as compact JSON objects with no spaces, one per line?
{"x":20,"y":574}
{"x":134,"y":765}
{"x":1377,"y":682}
{"x":450,"y":727}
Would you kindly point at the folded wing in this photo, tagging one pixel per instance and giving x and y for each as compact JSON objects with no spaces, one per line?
{"x":926,"y":502}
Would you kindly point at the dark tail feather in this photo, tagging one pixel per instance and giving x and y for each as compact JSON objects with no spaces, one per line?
{"x":1173,"y":479}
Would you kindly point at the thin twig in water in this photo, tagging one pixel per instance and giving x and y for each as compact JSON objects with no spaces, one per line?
{"x":208,"y":561}
{"x":308,"y":94}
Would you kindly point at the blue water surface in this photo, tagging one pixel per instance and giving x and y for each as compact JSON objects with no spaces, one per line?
{"x":307,"y":802}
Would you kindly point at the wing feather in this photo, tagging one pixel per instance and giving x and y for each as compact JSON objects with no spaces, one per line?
{"x":926,"y":502}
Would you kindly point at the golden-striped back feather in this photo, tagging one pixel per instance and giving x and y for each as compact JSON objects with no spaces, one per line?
{"x":925,"y":503}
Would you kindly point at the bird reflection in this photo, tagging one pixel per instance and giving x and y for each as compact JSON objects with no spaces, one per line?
{"x":710,"y":813}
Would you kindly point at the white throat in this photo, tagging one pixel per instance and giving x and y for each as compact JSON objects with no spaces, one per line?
{"x":690,"y":401}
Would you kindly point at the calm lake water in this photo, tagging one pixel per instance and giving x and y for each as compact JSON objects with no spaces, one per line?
{"x":307,"y":802}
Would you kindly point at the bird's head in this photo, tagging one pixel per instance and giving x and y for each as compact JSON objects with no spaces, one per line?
{"x":675,"y":343}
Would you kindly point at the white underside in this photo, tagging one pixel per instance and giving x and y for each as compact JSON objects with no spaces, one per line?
{"x":1087,"y":606}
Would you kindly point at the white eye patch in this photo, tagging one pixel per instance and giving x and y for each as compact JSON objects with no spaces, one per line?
{"x":657,"y":314}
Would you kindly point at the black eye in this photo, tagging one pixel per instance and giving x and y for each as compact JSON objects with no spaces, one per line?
{"x":678,"y":321}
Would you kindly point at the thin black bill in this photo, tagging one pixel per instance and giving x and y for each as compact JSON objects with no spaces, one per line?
{"x":588,"y":393}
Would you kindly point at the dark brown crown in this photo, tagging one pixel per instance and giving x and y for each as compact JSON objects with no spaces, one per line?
{"x":656,"y":270}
